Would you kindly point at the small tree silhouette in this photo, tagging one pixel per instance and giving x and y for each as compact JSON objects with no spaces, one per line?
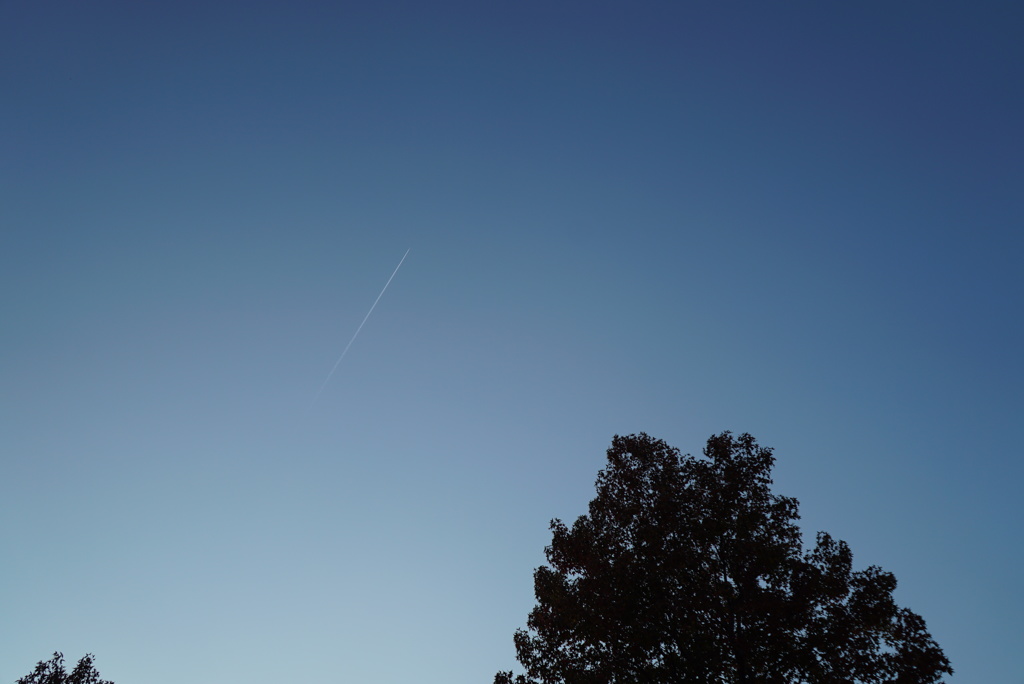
{"x":52,"y":672}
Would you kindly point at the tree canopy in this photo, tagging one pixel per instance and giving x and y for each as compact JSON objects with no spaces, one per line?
{"x":691,"y":570}
{"x":52,"y":672}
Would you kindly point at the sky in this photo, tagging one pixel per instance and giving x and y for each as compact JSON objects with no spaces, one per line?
{"x":799,"y":220}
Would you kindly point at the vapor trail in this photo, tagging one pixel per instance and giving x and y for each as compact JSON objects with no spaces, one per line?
{"x":336,"y":363}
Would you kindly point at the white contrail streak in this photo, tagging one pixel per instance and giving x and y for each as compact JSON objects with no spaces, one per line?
{"x":338,"y":362}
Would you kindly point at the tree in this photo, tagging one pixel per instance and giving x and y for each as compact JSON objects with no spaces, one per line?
{"x":691,"y":570}
{"x":53,"y":672}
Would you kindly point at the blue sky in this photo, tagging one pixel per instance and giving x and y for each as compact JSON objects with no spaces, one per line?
{"x":799,"y":220}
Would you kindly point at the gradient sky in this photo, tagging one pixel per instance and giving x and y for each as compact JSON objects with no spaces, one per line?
{"x":800,"y":220}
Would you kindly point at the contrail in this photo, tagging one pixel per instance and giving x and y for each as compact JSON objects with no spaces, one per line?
{"x":336,"y":363}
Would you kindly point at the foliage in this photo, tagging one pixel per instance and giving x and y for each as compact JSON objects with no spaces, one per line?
{"x":53,"y":672}
{"x":691,"y":570}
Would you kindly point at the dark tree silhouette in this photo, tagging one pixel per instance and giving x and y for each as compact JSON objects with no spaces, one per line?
{"x":52,"y":672}
{"x":691,"y":570}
